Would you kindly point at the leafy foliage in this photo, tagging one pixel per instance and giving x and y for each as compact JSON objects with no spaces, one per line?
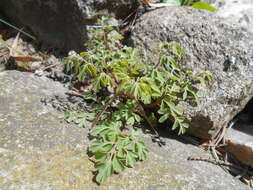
{"x":115,"y":151}
{"x":131,"y":91}
{"x":80,"y":118}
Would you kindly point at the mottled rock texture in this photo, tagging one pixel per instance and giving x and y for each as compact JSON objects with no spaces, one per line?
{"x":239,"y":12}
{"x":62,"y":24}
{"x":210,"y":45}
{"x":240,"y":142}
{"x":38,"y":151}
{"x":240,"y":137}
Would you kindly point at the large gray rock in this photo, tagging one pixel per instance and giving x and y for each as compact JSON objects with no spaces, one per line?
{"x":62,"y":24}
{"x":239,"y":11}
{"x":38,"y":151}
{"x":210,"y":45}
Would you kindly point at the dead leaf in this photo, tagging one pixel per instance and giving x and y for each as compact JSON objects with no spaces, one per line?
{"x":26,"y":58}
{"x":14,"y":46}
{"x":204,"y":143}
{"x":13,"y":52}
{"x":145,"y":2}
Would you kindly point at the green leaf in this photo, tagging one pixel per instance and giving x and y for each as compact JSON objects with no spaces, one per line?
{"x":100,"y":165}
{"x":100,"y":156}
{"x":111,"y":136}
{"x":145,"y":98}
{"x":135,"y":134}
{"x":117,"y":165}
{"x":180,"y":119}
{"x":164,"y":118}
{"x":203,"y":5}
{"x":96,"y":146}
{"x":96,"y":85}
{"x":156,"y":91}
{"x":141,"y":150}
{"x":131,"y":121}
{"x":175,"y":88}
{"x":107,"y":147}
{"x":121,"y":153}
{"x":98,"y":129}
{"x":82,"y":123}
{"x":135,"y":90}
{"x":137,"y":117}
{"x":130,"y":159}
{"x":175,"y":125}
{"x":174,"y":108}
{"x":104,"y":173}
{"x":91,"y":70}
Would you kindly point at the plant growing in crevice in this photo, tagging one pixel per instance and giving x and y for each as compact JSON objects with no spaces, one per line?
{"x":132,"y":91}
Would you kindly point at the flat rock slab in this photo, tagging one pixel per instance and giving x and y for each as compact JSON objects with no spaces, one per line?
{"x":38,"y":151}
{"x":240,"y":142}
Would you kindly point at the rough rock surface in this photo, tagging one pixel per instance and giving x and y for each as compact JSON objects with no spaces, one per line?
{"x":240,"y":137}
{"x":239,"y":11}
{"x":62,"y":24}
{"x":37,"y":151}
{"x":240,"y":142}
{"x":210,"y":45}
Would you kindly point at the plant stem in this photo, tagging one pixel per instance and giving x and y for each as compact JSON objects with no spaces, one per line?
{"x":143,"y":114}
{"x":20,"y":30}
{"x":103,"y":111}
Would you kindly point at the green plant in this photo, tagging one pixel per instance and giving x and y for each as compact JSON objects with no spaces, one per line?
{"x":78,"y":117}
{"x":115,"y":151}
{"x":135,"y":91}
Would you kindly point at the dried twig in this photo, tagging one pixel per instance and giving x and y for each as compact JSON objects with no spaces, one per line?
{"x":142,"y":112}
{"x":214,"y":162}
{"x":50,"y":66}
{"x":74,"y":93}
{"x":221,"y":136}
{"x":220,"y":163}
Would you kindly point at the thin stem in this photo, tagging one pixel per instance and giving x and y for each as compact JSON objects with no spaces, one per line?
{"x":103,"y":111}
{"x":143,"y":114}
{"x":20,"y":30}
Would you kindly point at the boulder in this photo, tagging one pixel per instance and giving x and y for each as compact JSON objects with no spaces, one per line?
{"x":210,"y":44}
{"x":239,"y":12}
{"x":62,"y":24}
{"x":40,"y":151}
